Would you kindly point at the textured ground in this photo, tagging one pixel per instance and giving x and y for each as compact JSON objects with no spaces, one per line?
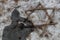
{"x":38,"y":17}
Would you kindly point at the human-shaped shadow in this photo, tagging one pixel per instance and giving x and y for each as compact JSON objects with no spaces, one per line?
{"x":16,"y":30}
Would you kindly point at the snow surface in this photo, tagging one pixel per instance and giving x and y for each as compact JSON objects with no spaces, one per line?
{"x":37,"y":15}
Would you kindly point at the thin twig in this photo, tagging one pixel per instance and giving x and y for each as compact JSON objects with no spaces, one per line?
{"x":44,"y":9}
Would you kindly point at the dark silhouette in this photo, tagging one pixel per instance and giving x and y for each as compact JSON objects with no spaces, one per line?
{"x":17,"y":31}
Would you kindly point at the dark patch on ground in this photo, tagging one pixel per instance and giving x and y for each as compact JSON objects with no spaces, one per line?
{"x":17,"y":31}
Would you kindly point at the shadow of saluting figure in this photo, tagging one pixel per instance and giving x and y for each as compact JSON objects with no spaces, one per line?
{"x":17,"y":31}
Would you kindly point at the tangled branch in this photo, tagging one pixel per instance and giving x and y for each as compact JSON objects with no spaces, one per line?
{"x":50,"y":20}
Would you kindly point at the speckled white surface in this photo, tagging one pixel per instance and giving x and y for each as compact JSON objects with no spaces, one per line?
{"x":54,"y":30}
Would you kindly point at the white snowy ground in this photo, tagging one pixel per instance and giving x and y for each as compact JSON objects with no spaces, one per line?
{"x":25,"y":5}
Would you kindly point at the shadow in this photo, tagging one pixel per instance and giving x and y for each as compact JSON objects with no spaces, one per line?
{"x":16,"y":31}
